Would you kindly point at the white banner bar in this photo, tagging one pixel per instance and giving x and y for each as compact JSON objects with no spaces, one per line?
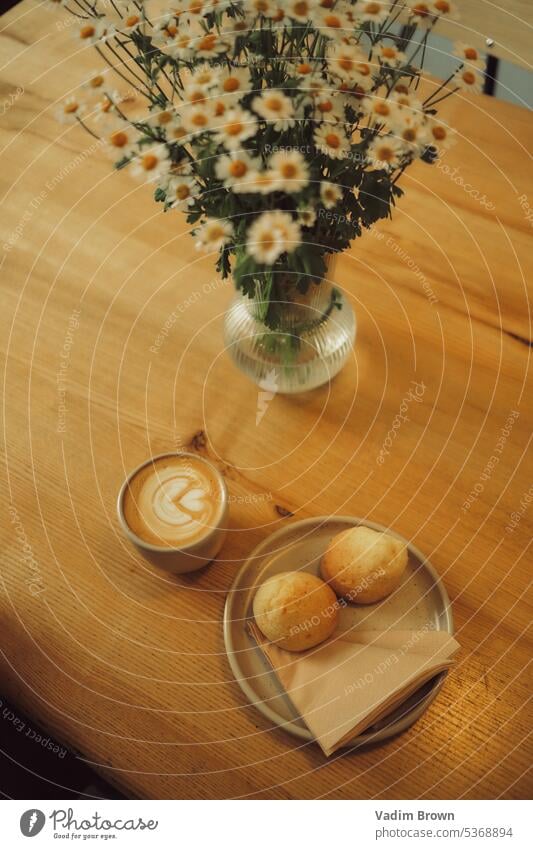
{"x":261,"y":824}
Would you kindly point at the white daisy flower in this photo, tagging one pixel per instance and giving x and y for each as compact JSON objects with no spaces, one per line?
{"x":93,"y":30}
{"x":181,"y":46}
{"x":275,"y":107}
{"x":105,"y":105}
{"x":236,"y":168}
{"x":445,"y":9}
{"x":408,"y":108}
{"x":233,"y":83}
{"x":180,"y":190}
{"x":238,"y":125}
{"x":440,"y":135}
{"x":386,"y":152}
{"x":379,"y":110}
{"x":332,"y":23}
{"x":70,"y":110}
{"x":131,"y":20}
{"x":161,"y":118}
{"x":421,"y":13}
{"x":151,"y":163}
{"x":214,"y":234}
{"x":388,"y":54}
{"x":332,"y":140}
{"x":258,"y":182}
{"x":307,"y":216}
{"x":375,"y":11}
{"x":468,"y":54}
{"x":330,"y":107}
{"x":271,"y":235}
{"x":348,"y":62}
{"x":165,"y":31}
{"x":196,"y":118}
{"x":301,"y":10}
{"x":96,"y":81}
{"x":209,"y":45}
{"x":330,"y":194}
{"x":121,"y":140}
{"x":176,"y":132}
{"x":302,"y":69}
{"x":291,"y":170}
{"x":205,"y":77}
{"x":414,"y":134}
{"x":468,"y":79}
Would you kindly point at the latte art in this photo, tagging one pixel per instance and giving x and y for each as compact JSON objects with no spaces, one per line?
{"x":172,"y":502}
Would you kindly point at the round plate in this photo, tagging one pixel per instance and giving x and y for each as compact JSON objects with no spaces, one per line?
{"x":420,"y":601}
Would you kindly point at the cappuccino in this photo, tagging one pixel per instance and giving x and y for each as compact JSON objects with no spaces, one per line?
{"x":173,"y":501}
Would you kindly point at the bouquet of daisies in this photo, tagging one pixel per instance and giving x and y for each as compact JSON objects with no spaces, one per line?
{"x":280,"y":127}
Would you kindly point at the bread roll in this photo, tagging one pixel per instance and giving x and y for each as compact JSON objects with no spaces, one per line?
{"x":295,"y":610}
{"x":363,"y":565}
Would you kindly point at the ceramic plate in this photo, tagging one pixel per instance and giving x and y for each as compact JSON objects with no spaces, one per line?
{"x":420,"y":601}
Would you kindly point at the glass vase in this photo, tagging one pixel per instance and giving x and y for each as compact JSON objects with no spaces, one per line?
{"x":305,"y":342}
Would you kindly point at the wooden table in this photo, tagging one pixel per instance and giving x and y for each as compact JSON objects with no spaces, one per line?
{"x":126,"y":664}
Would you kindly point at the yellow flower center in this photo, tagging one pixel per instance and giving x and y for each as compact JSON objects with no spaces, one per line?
{"x":70,"y":108}
{"x":96,"y":81}
{"x":304,"y":68}
{"x":208,"y":42}
{"x":149,"y":161}
{"x":469,"y":77}
{"x":289,"y":171}
{"x":182,"y":192}
{"x":199,"y":119}
{"x":230,"y":84}
{"x":266,"y":240}
{"x":333,"y":21}
{"x":346,"y":63}
{"x":325,"y":106}
{"x":332,"y":140}
{"x":471,"y":53}
{"x":301,"y":8}
{"x":87,"y":31}
{"x":238,"y":168}
{"x":422,"y":10}
{"x":274,"y":103}
{"x":373,"y":8}
{"x":132,"y":20}
{"x":439,"y":133}
{"x":235,"y":128}
{"x":118,"y":138}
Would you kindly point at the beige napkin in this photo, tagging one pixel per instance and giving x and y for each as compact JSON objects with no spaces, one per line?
{"x":348,"y":683}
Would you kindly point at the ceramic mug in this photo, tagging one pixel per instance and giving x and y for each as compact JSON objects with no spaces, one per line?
{"x":185,"y":558}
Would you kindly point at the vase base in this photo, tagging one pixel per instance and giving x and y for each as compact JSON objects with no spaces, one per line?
{"x":282,"y":361}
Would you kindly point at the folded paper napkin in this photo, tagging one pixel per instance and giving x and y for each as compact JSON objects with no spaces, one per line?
{"x":345,"y":685}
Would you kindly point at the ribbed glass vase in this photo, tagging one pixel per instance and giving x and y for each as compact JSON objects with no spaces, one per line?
{"x":305,"y":343}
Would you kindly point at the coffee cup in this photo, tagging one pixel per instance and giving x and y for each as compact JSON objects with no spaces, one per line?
{"x":174,"y":509}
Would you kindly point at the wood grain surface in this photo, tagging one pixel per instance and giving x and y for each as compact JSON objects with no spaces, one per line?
{"x":509,"y":23}
{"x":113,"y":350}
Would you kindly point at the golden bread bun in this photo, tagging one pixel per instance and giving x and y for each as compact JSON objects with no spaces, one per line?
{"x":295,"y":610}
{"x":363,"y":565}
